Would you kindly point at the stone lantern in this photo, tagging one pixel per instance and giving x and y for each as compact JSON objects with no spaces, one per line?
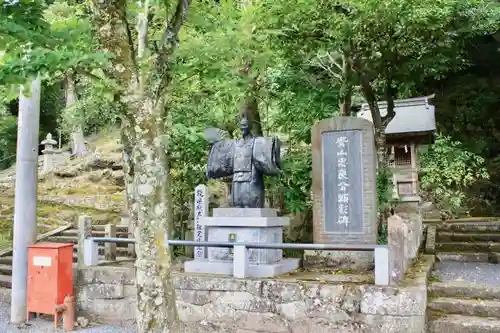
{"x":48,"y":151}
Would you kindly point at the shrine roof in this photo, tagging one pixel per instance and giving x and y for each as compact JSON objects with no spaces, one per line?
{"x":412,"y":115}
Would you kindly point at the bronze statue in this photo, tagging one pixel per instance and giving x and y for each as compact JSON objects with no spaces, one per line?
{"x":247,"y":159}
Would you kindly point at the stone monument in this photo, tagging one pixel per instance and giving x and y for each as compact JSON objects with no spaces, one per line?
{"x":344,"y":190}
{"x":247,"y":160}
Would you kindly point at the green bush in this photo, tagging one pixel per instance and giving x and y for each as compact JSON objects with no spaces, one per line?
{"x":8,"y":141}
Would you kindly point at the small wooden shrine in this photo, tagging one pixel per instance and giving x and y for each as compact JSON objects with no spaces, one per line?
{"x":412,"y":127}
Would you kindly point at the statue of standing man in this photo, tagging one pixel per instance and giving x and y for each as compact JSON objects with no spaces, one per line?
{"x":247,"y":160}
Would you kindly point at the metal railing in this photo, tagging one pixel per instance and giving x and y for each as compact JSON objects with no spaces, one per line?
{"x":240,"y":252}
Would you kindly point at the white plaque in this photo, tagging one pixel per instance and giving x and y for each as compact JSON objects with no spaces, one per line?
{"x":200,"y":210}
{"x":42,"y":261}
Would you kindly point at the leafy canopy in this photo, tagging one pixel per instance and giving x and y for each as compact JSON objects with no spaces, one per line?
{"x":33,"y":46}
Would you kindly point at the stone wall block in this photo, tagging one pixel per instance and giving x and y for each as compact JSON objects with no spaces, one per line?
{"x":394,"y":324}
{"x":190,"y":282}
{"x":105,"y":291}
{"x":394,"y":301}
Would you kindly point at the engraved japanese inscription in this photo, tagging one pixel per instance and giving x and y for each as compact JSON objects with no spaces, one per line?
{"x":342,"y":181}
{"x":200,"y":210}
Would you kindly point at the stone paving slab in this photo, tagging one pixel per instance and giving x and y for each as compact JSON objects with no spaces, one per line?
{"x":472,"y":272}
{"x":45,"y":326}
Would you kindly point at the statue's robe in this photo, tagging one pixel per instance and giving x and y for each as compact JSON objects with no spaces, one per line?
{"x":247,"y":160}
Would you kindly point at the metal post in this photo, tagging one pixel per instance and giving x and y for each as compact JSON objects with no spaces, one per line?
{"x":110,"y":248}
{"x":91,"y":252}
{"x":25,"y":196}
{"x":382,"y":266}
{"x":240,"y":261}
{"x":84,"y":232}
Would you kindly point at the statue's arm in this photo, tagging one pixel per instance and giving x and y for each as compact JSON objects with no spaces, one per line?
{"x":266,"y":156}
{"x":220,"y":158}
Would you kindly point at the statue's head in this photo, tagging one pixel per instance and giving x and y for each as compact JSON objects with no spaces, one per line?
{"x":244,"y":126}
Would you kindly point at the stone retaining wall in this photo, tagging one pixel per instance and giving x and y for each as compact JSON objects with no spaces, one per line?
{"x":225,"y":304}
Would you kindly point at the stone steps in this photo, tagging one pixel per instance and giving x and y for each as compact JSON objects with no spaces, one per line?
{"x":469,"y":227}
{"x":5,"y":295}
{"x":471,"y":241}
{"x":464,"y":291}
{"x":6,"y":263}
{"x":97,"y":231}
{"x":121,"y":251}
{"x":5,"y":269}
{"x":5,"y":281}
{"x":447,"y":236}
{"x":468,"y":247}
{"x":464,"y":324}
{"x":463,"y":308}
{"x":74,"y":240}
{"x":462,"y":257}
{"x":70,"y":236}
{"x":466,"y":307}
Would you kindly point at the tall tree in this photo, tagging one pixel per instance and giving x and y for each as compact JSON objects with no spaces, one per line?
{"x":382,"y":47}
{"x":142,"y":69}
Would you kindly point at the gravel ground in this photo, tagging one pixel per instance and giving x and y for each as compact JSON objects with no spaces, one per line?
{"x":46,"y":326}
{"x":473,"y":272}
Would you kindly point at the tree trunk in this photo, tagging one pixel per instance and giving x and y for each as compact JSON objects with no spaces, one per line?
{"x":148,"y":189}
{"x":346,"y":90}
{"x":371,"y":99}
{"x":77,"y":139}
{"x":155,"y":290}
{"x":128,"y":171}
{"x":380,"y":142}
{"x":250,"y":109}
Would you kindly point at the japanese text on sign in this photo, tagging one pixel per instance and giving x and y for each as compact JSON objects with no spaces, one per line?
{"x":200,"y":210}
{"x":343,"y":181}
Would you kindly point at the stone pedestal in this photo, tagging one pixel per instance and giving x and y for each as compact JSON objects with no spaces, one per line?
{"x":248,"y":225}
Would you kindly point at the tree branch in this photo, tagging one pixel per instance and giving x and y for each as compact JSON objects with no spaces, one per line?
{"x":173,"y":26}
{"x":130,"y":40}
{"x":115,"y":36}
{"x":389,"y":97}
{"x":88,"y":74}
{"x":371,"y":99}
{"x":142,"y":31}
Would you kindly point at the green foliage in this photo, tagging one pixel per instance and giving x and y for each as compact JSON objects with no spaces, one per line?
{"x":382,"y":233}
{"x":188,"y":153}
{"x":448,"y":169}
{"x":381,"y":48}
{"x":294,"y":182}
{"x":8,"y":141}
{"x":289,"y":54}
{"x":384,"y":193}
{"x":33,"y":46}
{"x":384,"y":188}
{"x":468,"y":104}
{"x":94,"y":109}
{"x":51,"y":104}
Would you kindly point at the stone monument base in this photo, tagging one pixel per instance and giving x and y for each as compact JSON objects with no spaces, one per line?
{"x":243,"y":225}
{"x":254,"y":270}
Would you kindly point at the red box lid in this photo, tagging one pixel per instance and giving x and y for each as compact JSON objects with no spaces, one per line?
{"x":49,"y":245}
